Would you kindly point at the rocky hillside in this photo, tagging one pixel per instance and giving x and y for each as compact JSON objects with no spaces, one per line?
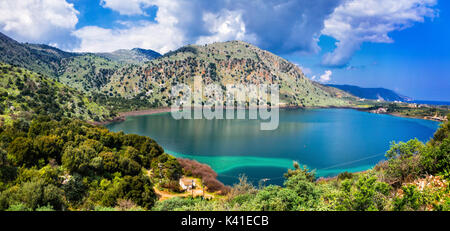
{"x":87,"y":73}
{"x":136,"y":55}
{"x":137,"y":74}
{"x":41,"y":59}
{"x":224,"y":63}
{"x":25,"y":94}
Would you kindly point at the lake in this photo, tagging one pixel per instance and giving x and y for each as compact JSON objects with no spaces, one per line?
{"x":328,"y":140}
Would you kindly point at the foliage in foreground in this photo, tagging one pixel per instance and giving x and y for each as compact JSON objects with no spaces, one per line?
{"x":50,"y":165}
{"x":71,"y":165}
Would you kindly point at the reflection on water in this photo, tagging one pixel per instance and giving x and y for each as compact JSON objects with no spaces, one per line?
{"x":329,"y":140}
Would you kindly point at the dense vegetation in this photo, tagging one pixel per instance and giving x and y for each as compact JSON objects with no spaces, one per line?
{"x":225,"y":63}
{"x":144,"y":75}
{"x":71,"y":165}
{"x":38,"y":58}
{"x":121,"y":104}
{"x":86,"y":73}
{"x":50,"y":165}
{"x":25,"y":95}
{"x":51,"y":159}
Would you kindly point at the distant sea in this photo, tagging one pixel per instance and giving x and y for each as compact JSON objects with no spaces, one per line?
{"x":430,"y":102}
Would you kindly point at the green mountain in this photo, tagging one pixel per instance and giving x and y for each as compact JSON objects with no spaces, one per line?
{"x":87,"y":73}
{"x":136,"y":55}
{"x":224,"y":63}
{"x":41,"y":59}
{"x":25,"y":94}
{"x":372,"y":93}
{"x":136,"y":75}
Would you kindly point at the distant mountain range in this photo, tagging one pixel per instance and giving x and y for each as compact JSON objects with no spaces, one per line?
{"x":372,"y":93}
{"x":222,"y":63}
{"x":135,"y":79}
{"x":145,"y":75}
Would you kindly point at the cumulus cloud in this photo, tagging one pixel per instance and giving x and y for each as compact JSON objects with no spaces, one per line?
{"x":46,"y":21}
{"x":358,"y":21}
{"x":162,"y":35}
{"x":326,"y":77}
{"x":147,"y":35}
{"x":281,"y":26}
{"x":224,"y":26}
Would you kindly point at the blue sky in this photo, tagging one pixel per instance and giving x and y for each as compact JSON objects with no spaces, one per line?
{"x":400,"y":45}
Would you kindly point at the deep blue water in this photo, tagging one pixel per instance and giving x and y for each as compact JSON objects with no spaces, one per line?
{"x":328,"y":140}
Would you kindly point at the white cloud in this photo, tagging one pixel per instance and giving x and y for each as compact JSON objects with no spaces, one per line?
{"x":326,"y":77}
{"x":149,"y":36}
{"x":358,"y":21}
{"x":37,"y":21}
{"x":128,"y":7}
{"x":281,"y":26}
{"x":224,"y":26}
{"x":162,"y":36}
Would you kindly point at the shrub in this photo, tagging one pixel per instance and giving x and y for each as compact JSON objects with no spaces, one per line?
{"x":404,"y":162}
{"x":206,"y":173}
{"x":345,"y":175}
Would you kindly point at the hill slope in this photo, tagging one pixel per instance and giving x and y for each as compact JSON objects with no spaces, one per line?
{"x":37,"y":58}
{"x":26,"y":94}
{"x":86,"y":73}
{"x":372,"y":93}
{"x":135,"y":55}
{"x":223,"y":63}
{"x":129,"y":73}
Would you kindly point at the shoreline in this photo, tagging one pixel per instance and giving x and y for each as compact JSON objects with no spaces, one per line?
{"x":401,"y":116}
{"x":122,"y":115}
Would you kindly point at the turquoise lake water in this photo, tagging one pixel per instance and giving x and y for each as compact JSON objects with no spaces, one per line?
{"x":328,"y":140}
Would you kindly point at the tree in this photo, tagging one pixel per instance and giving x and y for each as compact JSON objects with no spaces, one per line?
{"x":21,"y":152}
{"x":404,"y":161}
{"x":435,"y":157}
{"x":367,"y":194}
{"x":171,"y":168}
{"x":49,"y":147}
{"x":275,"y":198}
{"x":129,"y":167}
{"x":301,"y":181}
{"x":110,"y":161}
{"x":32,"y":195}
{"x":139,"y":190}
{"x":74,"y":189}
{"x":78,"y":159}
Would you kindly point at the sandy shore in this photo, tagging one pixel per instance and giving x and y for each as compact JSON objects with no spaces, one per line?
{"x":145,"y":112}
